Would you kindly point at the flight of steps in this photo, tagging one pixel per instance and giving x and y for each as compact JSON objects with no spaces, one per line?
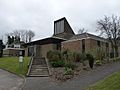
{"x":38,"y":67}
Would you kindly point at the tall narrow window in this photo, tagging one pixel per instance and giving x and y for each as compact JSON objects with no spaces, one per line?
{"x":98,"y":43}
{"x":58,"y":46}
{"x":107,"y":45}
{"x":107,"y":49}
{"x":59,"y":27}
{"x":83,"y":46}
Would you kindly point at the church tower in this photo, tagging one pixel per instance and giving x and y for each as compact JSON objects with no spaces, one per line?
{"x":62,"y":29}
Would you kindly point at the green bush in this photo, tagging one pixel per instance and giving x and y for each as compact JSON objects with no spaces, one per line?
{"x":115,"y":59}
{"x":83,"y":57}
{"x":71,"y":56}
{"x":65,"y":52}
{"x":49,"y":55}
{"x":70,"y":65}
{"x":77,"y":57}
{"x":118,"y":59}
{"x":57,"y":63}
{"x":66,"y":55}
{"x":53,"y":55}
{"x":98,"y":62}
{"x":100,"y":53}
{"x":68,"y":71}
{"x":90,"y":58}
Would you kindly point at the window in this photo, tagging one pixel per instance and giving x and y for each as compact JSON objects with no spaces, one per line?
{"x":58,"y":46}
{"x":107,"y":49}
{"x":59,"y":27}
{"x":98,"y":43}
{"x":107,"y":45}
{"x":83,"y":46}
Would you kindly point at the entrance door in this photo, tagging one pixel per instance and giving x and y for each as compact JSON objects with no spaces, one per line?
{"x":38,"y":50}
{"x":30,"y":50}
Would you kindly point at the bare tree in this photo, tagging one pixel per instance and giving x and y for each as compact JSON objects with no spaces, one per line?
{"x":82,"y":30}
{"x":31,"y":34}
{"x":22,"y":35}
{"x":110,"y":26}
{"x":16,"y":33}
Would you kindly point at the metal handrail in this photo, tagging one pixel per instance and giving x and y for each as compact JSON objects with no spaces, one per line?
{"x":48,"y":66}
{"x":30,"y":64}
{"x":30,"y":59}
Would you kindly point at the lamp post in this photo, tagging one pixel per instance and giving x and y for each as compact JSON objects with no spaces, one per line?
{"x":20,"y":59}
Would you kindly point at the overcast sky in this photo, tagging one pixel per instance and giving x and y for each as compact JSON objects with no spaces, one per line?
{"x":39,"y":15}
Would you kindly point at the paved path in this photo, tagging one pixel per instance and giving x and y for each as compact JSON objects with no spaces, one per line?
{"x":9,"y":81}
{"x":85,"y":79}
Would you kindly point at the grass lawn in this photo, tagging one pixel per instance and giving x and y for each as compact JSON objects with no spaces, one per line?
{"x":12,"y":64}
{"x":110,"y":83}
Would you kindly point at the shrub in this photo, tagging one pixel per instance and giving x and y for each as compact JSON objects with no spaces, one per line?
{"x":66,"y":55}
{"x":71,"y":56}
{"x":77,"y":57}
{"x":57,"y":63}
{"x":100,"y":53}
{"x":53,"y":55}
{"x":70,"y":65}
{"x":83,"y":57}
{"x":65,"y":52}
{"x":90,"y":58}
{"x":116,"y":59}
{"x":68,"y":71}
{"x":49,"y":55}
{"x":98,"y":62}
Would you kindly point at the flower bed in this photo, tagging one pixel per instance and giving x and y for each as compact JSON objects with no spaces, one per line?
{"x":59,"y":73}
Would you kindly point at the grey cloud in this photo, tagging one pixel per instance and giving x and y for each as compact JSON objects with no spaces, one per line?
{"x":38,"y":15}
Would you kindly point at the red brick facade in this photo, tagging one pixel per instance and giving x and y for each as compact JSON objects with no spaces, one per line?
{"x":74,"y":46}
{"x":90,"y":45}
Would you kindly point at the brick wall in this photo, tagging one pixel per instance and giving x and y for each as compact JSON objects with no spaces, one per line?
{"x":91,"y":46}
{"x":47,"y":47}
{"x":74,"y":46}
{"x":87,"y":45}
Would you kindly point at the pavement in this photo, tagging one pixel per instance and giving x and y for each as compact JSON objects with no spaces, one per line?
{"x":10,"y":81}
{"x":79,"y":83}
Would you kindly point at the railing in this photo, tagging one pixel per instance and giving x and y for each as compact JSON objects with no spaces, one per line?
{"x":49,"y":71}
{"x":30,"y":64}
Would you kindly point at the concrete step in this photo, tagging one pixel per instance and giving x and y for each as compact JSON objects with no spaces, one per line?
{"x":40,"y":71}
{"x":39,"y":67}
{"x":38,"y":76}
{"x":35,"y":68}
{"x":39,"y":61}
